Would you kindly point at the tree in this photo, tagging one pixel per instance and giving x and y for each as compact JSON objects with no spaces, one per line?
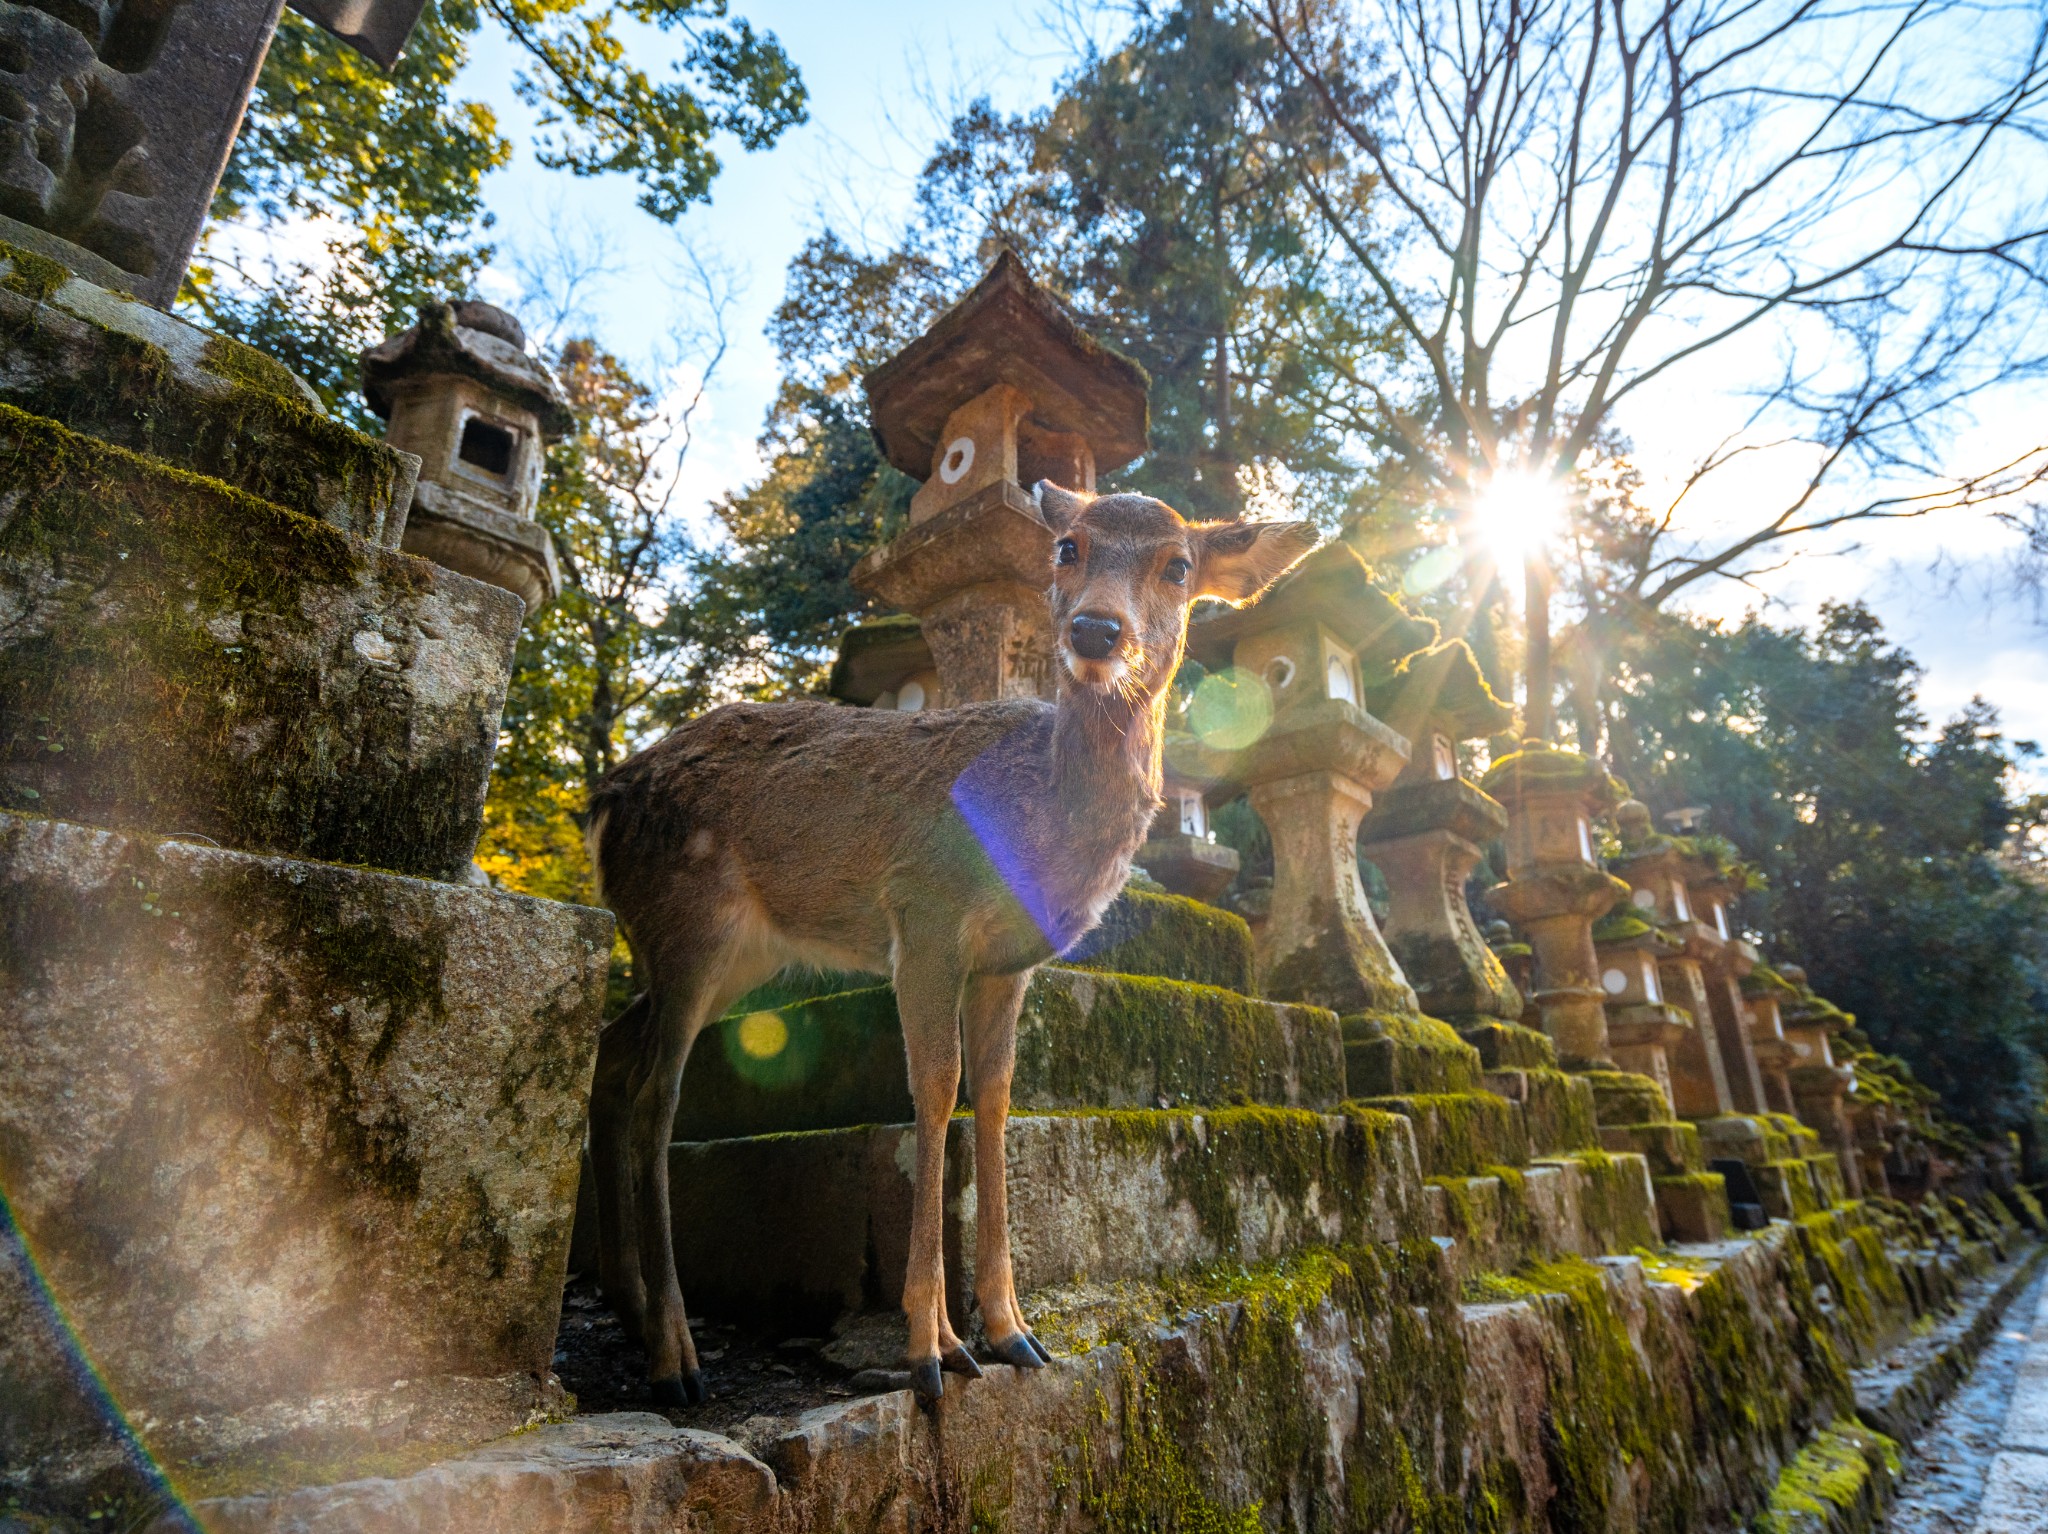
{"x":1903,"y":870}
{"x":1579,"y":203}
{"x":387,"y":170}
{"x":592,"y":667}
{"x":1148,"y":198}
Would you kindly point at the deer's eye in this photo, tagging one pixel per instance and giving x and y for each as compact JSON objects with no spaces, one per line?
{"x":1066,"y":552}
{"x":1176,"y":571}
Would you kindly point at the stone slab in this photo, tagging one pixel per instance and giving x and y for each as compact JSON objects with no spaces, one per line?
{"x":109,"y":367}
{"x":273,"y":1130}
{"x":2015,"y":1495}
{"x":615,"y":1473}
{"x":1461,"y":1134}
{"x":1899,"y":1393}
{"x":1169,"y":937}
{"x":804,"y":1230}
{"x":1084,"y":1040}
{"x":179,"y":657}
{"x":1550,"y":1209}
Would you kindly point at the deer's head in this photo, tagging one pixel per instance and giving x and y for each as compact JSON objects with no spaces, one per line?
{"x":1126,"y":568}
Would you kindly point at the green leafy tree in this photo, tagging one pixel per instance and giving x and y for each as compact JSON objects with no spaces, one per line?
{"x":1903,"y":868}
{"x":386,"y":171}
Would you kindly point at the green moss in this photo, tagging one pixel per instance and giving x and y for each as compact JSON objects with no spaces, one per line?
{"x":1838,"y":1484}
{"x":33,"y":276}
{"x":1625,"y":1098}
{"x":1614,"y":1203}
{"x":1558,"y":1109}
{"x":1169,"y":937}
{"x":175,"y":676}
{"x":1458,"y":1133}
{"x":1386,"y":1053}
{"x":254,"y":430}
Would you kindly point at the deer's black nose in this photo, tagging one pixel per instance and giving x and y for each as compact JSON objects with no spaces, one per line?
{"x":1094,"y":636}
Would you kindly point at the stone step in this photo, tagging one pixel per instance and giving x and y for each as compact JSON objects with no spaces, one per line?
{"x":1511,"y":1047}
{"x":1386,"y":1054}
{"x":1084,"y":1040}
{"x":112,"y":368}
{"x":1556,"y":1105}
{"x":1169,"y":937}
{"x":804,"y":1230}
{"x":1461,"y":1134}
{"x":1590,"y":1205}
{"x":182,"y":658}
{"x":274,"y":1131}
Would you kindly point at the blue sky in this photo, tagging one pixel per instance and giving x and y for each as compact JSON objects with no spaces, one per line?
{"x":881,"y":79}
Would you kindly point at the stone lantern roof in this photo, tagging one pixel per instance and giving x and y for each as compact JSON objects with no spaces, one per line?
{"x":1442,"y":687}
{"x":1008,"y":330}
{"x":1333,"y":587}
{"x":467,"y":339}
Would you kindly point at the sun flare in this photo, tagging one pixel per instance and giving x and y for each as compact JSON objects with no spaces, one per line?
{"x":1515,"y":512}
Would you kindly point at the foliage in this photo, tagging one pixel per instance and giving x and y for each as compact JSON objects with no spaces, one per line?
{"x":591,"y":666}
{"x":1902,"y":868}
{"x":386,"y":172}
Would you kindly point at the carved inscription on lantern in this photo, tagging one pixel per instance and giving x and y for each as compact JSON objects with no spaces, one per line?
{"x":115,"y":119}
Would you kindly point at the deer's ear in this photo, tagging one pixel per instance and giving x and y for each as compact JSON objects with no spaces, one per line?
{"x":1058,"y":509}
{"x":1241,"y":559}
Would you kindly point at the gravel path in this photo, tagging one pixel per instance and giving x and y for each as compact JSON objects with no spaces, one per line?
{"x":1948,"y":1469}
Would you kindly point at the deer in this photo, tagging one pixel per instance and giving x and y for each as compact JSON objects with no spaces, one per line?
{"x":954,"y":850}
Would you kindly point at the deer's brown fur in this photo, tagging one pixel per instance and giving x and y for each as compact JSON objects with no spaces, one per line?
{"x":954,"y":850}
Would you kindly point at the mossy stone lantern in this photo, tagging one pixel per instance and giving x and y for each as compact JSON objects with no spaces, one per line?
{"x":1764,"y":993}
{"x":1426,"y":834}
{"x":1312,"y":772}
{"x":1004,"y":390}
{"x":1556,"y":888}
{"x":1645,"y":1027}
{"x":1713,"y":881}
{"x":460,"y":390}
{"x":1657,"y":872}
{"x":1181,"y":850}
{"x":1820,"y":1086}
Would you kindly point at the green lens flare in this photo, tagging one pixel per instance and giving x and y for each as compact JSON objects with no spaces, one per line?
{"x":1231,"y":710}
{"x":1432,"y":570}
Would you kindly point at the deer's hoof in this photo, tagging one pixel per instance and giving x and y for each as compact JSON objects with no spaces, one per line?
{"x":1017,"y":1352}
{"x":926,"y":1380}
{"x":1038,"y":1348}
{"x":958,"y":1360}
{"x":679,"y":1390}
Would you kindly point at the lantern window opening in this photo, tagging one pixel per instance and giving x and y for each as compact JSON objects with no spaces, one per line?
{"x":488,"y":447}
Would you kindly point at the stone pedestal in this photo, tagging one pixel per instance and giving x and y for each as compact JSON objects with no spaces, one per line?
{"x":1763,"y":992}
{"x":1819,"y":1085}
{"x":1426,"y":838}
{"x":293,"y":1148}
{"x":1723,"y":961}
{"x":1004,"y":390}
{"x":1311,"y":779}
{"x":1556,"y":889}
{"x":1645,"y":1029}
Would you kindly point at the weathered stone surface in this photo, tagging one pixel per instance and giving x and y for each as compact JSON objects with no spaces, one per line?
{"x":619,"y":1473}
{"x":1557,"y":1208}
{"x":176,"y":656}
{"x":1169,"y":937}
{"x":1461,"y":1134}
{"x":1084,"y":1040}
{"x":1386,"y":1053}
{"x":1101,"y":1195}
{"x":108,"y":367}
{"x":274,"y":1130}
{"x":119,"y":121}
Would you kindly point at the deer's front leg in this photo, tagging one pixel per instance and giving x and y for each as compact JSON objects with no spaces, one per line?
{"x":990,"y":1018}
{"x":928,"y":1001}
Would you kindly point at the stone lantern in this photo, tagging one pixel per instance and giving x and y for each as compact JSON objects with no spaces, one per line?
{"x":1644,"y":1027}
{"x":885,"y":663}
{"x":1556,"y":888}
{"x":1764,"y":991}
{"x":1312,"y":774}
{"x":1819,"y":1085}
{"x":1004,"y":390}
{"x":1426,"y":834}
{"x":1724,"y":959}
{"x":1657,"y":871}
{"x":1181,"y":850}
{"x":460,"y":390}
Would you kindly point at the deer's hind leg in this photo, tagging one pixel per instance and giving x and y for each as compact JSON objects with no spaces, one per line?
{"x":623,"y":1059}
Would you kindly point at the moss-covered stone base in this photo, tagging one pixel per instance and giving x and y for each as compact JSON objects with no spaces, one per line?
{"x":1694,"y":1207}
{"x":109,"y":367}
{"x":1840,"y":1483}
{"x":1510,"y":1046}
{"x":1123,"y":1195}
{"x":1084,"y":1040}
{"x":1385,"y":1053}
{"x":1623,"y":1097}
{"x":181,"y":657}
{"x":1169,"y":937}
{"x":1461,"y":1134}
{"x":277,"y":1136}
{"x":1557,"y":1106}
